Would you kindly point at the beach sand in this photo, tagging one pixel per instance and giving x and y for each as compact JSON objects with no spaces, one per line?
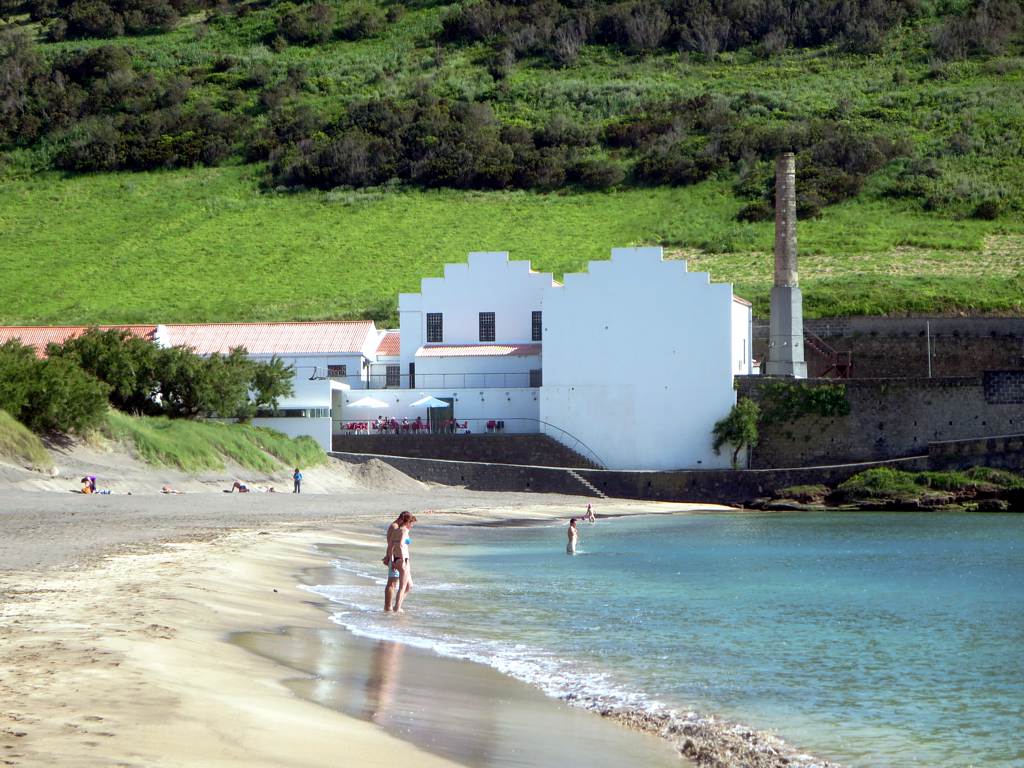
{"x":146,"y":630}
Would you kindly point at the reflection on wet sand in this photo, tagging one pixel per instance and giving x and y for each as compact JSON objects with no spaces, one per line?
{"x":466,"y":712}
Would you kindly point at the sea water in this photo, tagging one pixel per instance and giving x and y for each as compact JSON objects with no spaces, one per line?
{"x":873,"y":639}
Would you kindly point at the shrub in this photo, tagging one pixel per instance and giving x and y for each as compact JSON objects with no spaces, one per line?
{"x":361,"y":20}
{"x":738,"y":429}
{"x":307,"y":24}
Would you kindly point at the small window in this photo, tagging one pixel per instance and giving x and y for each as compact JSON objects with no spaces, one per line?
{"x":393,"y":376}
{"x":538,"y":333}
{"x":536,"y":377}
{"x":435,"y":328}
{"x":337,"y":371}
{"x":486,"y":326}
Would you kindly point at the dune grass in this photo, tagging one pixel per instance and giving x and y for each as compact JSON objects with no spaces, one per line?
{"x":21,"y":445}
{"x":195,"y":446}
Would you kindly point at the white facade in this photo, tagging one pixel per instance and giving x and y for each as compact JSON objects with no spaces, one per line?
{"x":487,"y":282}
{"x":639,"y":358}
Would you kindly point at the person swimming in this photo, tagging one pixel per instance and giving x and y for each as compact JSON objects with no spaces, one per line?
{"x":570,"y":547}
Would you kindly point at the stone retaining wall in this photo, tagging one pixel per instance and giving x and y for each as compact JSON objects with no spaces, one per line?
{"x":532,"y":449}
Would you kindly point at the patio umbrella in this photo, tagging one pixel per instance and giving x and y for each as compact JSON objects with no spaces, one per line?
{"x":367,"y":402}
{"x":429,"y":401}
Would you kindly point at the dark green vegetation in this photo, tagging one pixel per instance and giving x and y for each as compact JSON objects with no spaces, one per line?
{"x":978,"y":488}
{"x":905,"y":117}
{"x":73,"y":387}
{"x":739,"y":429}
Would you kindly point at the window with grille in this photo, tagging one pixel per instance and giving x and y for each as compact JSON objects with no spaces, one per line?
{"x":486,"y":326}
{"x":337,"y":371}
{"x":536,"y":377}
{"x":435,"y":328}
{"x":393,"y":376}
{"x":536,"y":327}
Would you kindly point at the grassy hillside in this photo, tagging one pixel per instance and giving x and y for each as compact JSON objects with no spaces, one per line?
{"x":194,"y":446}
{"x":19,"y":444}
{"x":914,"y":144}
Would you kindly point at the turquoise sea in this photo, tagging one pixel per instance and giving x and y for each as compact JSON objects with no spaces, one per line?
{"x":872,"y":639}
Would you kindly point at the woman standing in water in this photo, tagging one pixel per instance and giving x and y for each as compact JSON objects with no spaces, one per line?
{"x":401,"y":540}
{"x":393,"y":575}
{"x":570,"y":548}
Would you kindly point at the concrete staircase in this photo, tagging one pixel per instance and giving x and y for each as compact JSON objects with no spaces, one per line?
{"x":591,"y":489}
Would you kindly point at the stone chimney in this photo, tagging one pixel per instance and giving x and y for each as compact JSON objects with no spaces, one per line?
{"x":786,"y":325}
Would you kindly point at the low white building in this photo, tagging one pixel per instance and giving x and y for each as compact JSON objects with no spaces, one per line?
{"x":328,"y":358}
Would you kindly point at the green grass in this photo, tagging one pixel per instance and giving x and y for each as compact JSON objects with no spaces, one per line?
{"x":884,"y":483}
{"x":19,"y":444}
{"x":214,"y":245}
{"x":194,"y":446}
{"x":208,"y":245}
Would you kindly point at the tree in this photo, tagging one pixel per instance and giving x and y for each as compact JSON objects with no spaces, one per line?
{"x":124,"y":361}
{"x":738,"y":429}
{"x":270,"y":382}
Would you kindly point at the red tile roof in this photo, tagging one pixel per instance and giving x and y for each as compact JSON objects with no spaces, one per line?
{"x":389,"y":345}
{"x":741,"y":300}
{"x":479,"y":350}
{"x":39,"y":337}
{"x":273,"y":338}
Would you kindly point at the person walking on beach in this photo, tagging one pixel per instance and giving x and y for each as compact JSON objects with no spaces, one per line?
{"x":297,"y":481}
{"x":589,"y":517}
{"x":570,"y":548}
{"x":400,"y":560}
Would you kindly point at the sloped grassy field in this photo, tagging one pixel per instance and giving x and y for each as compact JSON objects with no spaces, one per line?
{"x":216,"y":244}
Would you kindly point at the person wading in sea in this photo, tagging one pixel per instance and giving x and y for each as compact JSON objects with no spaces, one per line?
{"x":393,"y":574}
{"x":400,"y":542}
{"x":570,"y":547}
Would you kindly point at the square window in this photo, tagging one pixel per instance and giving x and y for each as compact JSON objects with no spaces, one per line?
{"x":486,"y":326}
{"x":337,"y":371}
{"x":393,"y":376}
{"x":435,"y":328}
{"x":535,"y":322}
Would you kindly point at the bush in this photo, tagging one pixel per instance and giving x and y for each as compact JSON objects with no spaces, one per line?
{"x":738,"y":429}
{"x":307,"y":24}
{"x":362,"y":20}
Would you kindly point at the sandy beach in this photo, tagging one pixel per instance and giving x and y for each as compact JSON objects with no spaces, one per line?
{"x":130,"y":624}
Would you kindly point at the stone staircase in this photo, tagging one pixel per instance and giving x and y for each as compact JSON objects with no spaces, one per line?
{"x":591,"y":489}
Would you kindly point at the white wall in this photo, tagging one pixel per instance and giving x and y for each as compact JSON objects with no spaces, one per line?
{"x":638,"y":361}
{"x":316,"y":393}
{"x":468,"y":372}
{"x":319,"y":429}
{"x":518,"y":407}
{"x":742,"y":341}
{"x":488,"y":282}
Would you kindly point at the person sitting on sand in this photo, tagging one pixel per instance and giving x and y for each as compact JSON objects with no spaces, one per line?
{"x":89,"y":484}
{"x":237,"y":486}
{"x":168,"y":489}
{"x":570,"y":547}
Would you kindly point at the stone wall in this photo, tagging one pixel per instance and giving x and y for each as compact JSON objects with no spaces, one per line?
{"x":890,"y":419}
{"x":532,"y":449}
{"x":896,"y":347}
{"x":720,"y":486}
{"x":1003,"y":452}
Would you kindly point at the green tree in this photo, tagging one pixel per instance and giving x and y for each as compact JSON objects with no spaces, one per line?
{"x":18,"y":366}
{"x":270,"y":382}
{"x":122,"y":360}
{"x":65,"y":398}
{"x":738,"y":429}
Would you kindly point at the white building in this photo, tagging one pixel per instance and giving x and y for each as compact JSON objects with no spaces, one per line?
{"x":328,"y":358}
{"x":630,"y":363}
{"x":640,"y":357}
